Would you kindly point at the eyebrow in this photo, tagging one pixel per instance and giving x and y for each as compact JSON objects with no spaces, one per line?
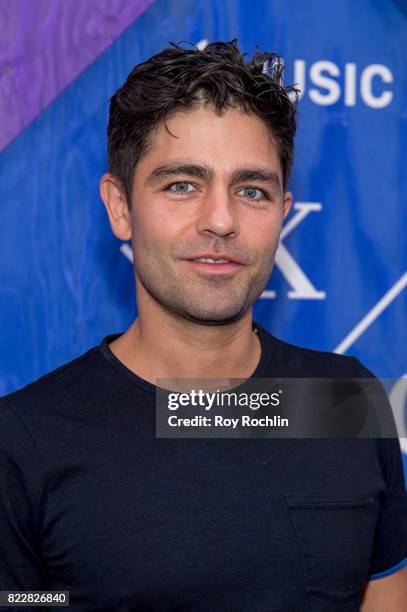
{"x":240,"y":175}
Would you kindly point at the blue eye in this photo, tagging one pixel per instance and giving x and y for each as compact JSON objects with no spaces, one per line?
{"x":251,"y":193}
{"x":183,"y":187}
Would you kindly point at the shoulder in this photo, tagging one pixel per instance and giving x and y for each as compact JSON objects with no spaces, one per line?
{"x":296,"y":361}
{"x":57,"y":387}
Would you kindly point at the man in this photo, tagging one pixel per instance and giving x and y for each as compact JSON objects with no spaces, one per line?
{"x":200,"y":151}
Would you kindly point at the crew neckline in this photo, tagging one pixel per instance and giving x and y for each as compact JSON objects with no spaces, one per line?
{"x":150,"y":388}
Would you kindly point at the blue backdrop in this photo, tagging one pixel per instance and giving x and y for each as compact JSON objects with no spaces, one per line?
{"x":341,"y":272}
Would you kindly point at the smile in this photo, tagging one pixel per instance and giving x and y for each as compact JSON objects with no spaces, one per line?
{"x":212,"y":261}
{"x":208,"y":265}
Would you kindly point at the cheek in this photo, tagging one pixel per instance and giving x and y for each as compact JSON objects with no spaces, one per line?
{"x":162,"y":220}
{"x":148,"y":229}
{"x":263,"y":231}
{"x":154,"y":238}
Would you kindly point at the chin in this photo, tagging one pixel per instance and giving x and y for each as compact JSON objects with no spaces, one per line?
{"x":215,"y":317}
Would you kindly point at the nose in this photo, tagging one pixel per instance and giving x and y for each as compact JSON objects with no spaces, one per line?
{"x":217,"y":215}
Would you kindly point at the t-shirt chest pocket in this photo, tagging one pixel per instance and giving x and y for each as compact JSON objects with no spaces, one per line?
{"x":335,"y":537}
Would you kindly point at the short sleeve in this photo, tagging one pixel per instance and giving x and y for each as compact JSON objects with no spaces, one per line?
{"x":22,"y":499}
{"x":390,"y":543}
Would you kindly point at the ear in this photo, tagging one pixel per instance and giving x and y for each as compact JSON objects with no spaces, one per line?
{"x":288,"y":202}
{"x":115,"y":202}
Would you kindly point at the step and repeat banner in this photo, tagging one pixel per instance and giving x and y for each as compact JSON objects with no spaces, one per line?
{"x":340,"y":278}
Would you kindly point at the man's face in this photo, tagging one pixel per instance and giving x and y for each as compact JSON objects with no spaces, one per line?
{"x":213,"y":192}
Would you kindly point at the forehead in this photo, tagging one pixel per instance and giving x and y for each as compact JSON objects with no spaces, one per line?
{"x":223,"y":142}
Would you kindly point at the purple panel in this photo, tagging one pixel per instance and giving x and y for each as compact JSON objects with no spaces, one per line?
{"x":45,"y":44}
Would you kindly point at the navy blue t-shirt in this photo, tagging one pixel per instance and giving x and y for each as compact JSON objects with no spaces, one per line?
{"x":92,"y":502}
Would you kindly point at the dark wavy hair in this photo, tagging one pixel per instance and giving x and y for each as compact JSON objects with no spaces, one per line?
{"x":179,"y":78}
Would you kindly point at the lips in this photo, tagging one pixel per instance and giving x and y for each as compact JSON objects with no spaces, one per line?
{"x":214,"y":264}
{"x":215,"y":259}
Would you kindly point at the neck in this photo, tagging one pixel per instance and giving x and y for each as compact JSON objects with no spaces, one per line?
{"x":160,"y":344}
